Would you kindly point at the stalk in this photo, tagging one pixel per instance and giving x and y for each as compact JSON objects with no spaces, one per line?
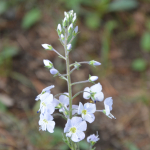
{"x":68,"y":75}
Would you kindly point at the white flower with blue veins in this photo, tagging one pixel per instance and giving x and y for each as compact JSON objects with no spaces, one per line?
{"x":47,"y":104}
{"x":92,"y":139}
{"x":46,"y":122}
{"x":87,"y":111}
{"x":108,"y":102}
{"x":74,"y":129}
{"x":94,"y":92}
{"x":45,"y":93}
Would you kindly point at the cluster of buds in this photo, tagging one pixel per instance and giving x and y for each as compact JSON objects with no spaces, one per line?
{"x":77,"y":116}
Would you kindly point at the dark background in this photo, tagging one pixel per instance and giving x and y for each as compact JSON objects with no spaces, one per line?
{"x":115,"y":33}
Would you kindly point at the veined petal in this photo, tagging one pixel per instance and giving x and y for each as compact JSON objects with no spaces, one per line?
{"x":64,"y":99}
{"x":86,"y":94}
{"x":50,"y":126}
{"x":80,"y":108}
{"x":78,"y":136}
{"x":108,"y":101}
{"x":76,"y":121}
{"x":47,"y":89}
{"x":91,"y":108}
{"x":99,"y":96}
{"x":89,"y":117}
{"x":96,"y":88}
{"x":67,"y":126}
{"x":82,"y":126}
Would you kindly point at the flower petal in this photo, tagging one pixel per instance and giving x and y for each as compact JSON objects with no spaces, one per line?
{"x":99,"y":96}
{"x":91,"y":108}
{"x":50,"y":126}
{"x":80,"y":108}
{"x":89,"y":118}
{"x":82,"y":126}
{"x":96,"y":88}
{"x":78,"y":136}
{"x":86,"y":94}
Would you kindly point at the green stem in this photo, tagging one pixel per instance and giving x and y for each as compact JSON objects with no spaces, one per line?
{"x":68,"y":75}
{"x":80,"y":82}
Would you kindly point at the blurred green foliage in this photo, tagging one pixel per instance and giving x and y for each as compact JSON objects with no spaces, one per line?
{"x":139,"y":65}
{"x":131,"y":146}
{"x":6,"y":56}
{"x":145,"y":42}
{"x":31,"y":17}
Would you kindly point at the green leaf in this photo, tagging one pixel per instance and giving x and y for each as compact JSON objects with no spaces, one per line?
{"x":93,"y":21}
{"x":139,"y":65}
{"x":7,"y":53}
{"x":145,"y":42}
{"x":121,"y":5}
{"x":3,"y":7}
{"x":30,"y":18}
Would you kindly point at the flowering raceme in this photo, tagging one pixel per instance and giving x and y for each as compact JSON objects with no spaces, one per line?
{"x":77,"y":116}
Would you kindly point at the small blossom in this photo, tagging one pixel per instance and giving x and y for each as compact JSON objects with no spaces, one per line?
{"x":62,"y":37}
{"x":46,"y":123}
{"x":93,"y":78}
{"x":92,"y":139}
{"x":108,"y":102}
{"x":87,"y":111}
{"x":69,"y":46}
{"x":65,"y":22}
{"x":94,"y":63}
{"x":53,"y":71}
{"x":74,"y":129}
{"x":48,"y":63}
{"x":94,"y":92}
{"x":46,"y":103}
{"x":45,"y":93}
{"x":47,"y":46}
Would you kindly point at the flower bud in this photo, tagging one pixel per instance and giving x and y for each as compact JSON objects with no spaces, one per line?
{"x":47,"y":47}
{"x":59,"y":30}
{"x":74,"y":18}
{"x":48,"y":63}
{"x":65,"y":22}
{"x":94,"y":63}
{"x":75,"y":30}
{"x":70,"y":28}
{"x":53,"y":71}
{"x":93,"y":78}
{"x":62,"y":37}
{"x":69,"y":46}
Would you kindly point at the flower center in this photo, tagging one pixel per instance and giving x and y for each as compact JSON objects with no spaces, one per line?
{"x":45,"y":121}
{"x":73,"y":130}
{"x":92,"y":94}
{"x":43,"y":104}
{"x":84,"y":112}
{"x":43,"y":92}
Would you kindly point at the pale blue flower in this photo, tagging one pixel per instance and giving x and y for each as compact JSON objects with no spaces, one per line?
{"x":87,"y":111}
{"x":94,"y":92}
{"x":92,"y":139}
{"x":46,"y":122}
{"x":45,"y":93}
{"x":108,"y":102}
{"x":74,"y":129}
{"x":70,"y":28}
{"x":46,"y":104}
